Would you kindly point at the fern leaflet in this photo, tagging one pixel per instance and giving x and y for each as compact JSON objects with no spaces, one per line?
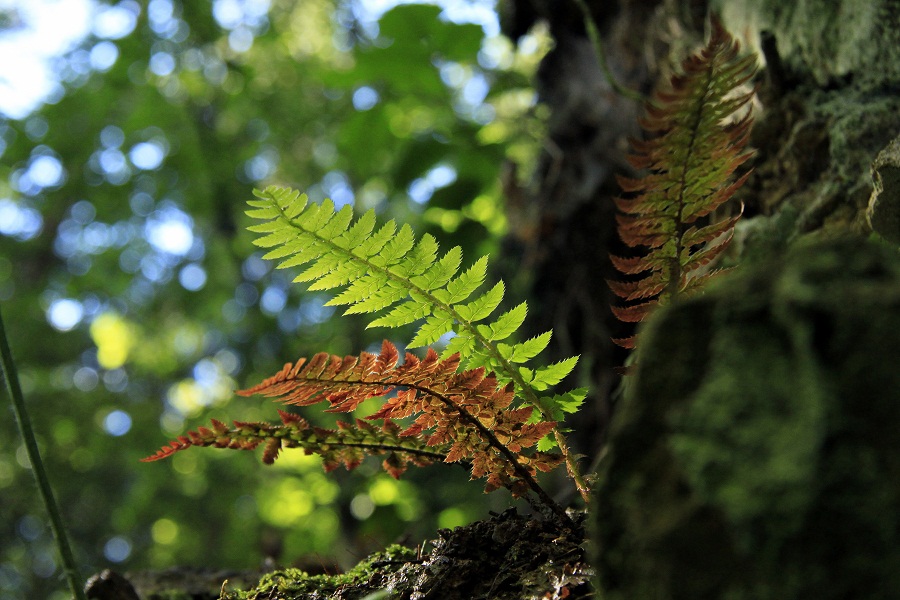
{"x":347,"y":445}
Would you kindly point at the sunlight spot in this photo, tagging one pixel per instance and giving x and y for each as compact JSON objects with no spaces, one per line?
{"x":146,"y":155}
{"x":117,"y":423}
{"x":46,"y":171}
{"x":452,"y":517}
{"x":86,"y":379}
{"x":19,"y":221}
{"x":185,"y":397}
{"x":273,"y":300}
{"x":162,"y":63}
{"x":49,"y":29}
{"x":117,"y":549}
{"x":289,"y":502}
{"x":241,"y":39}
{"x":192,"y":277}
{"x":313,"y":310}
{"x":112,"y":137}
{"x":65,"y":314}
{"x":104,"y":56}
{"x":185,"y":463}
{"x":114,"y":338}
{"x":115,"y":22}
{"x":227,"y":12}
{"x":164,"y":531}
{"x":112,"y":161}
{"x":384,"y":490}
{"x":169,"y":230}
{"x":365,"y":98}
{"x":231,"y":14}
{"x":337,"y":187}
{"x":254,"y":267}
{"x":362,"y":507}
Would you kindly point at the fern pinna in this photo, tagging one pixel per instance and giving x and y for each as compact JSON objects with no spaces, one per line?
{"x":690,"y":161}
{"x":458,"y":416}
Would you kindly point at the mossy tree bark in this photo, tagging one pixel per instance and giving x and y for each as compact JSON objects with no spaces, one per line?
{"x":828,"y":104}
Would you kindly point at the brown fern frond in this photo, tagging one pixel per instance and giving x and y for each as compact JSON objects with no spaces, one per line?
{"x":456,"y":416}
{"x":690,"y":164}
{"x":345,"y":446}
{"x":465,"y":412}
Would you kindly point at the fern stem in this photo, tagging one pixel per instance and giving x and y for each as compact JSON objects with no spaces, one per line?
{"x":597,"y":43}
{"x":10,"y":374}
{"x":508,"y":369}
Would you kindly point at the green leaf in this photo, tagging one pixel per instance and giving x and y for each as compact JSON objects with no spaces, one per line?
{"x":422,"y":257}
{"x":372,"y":270}
{"x":360,"y":289}
{"x":384,"y":297}
{"x":483,"y":306}
{"x":468,"y":281}
{"x":434,"y":327}
{"x":462,"y":342}
{"x":440,"y":273}
{"x":546,"y":443}
{"x":529,"y":349}
{"x":408,"y":312}
{"x":396,"y":248}
{"x":560,"y":404}
{"x":508,"y":323}
{"x":544,"y":377}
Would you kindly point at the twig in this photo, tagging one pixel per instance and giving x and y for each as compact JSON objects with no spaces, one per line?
{"x":594,"y":36}
{"x":10,"y":374}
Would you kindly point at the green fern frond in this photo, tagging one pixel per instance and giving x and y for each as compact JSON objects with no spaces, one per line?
{"x":385,"y":270}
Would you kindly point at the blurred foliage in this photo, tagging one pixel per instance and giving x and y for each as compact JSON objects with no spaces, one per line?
{"x":136,"y":302}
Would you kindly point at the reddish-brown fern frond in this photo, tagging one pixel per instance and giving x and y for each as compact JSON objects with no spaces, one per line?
{"x":456,"y":416}
{"x":345,"y":446}
{"x":690,"y":163}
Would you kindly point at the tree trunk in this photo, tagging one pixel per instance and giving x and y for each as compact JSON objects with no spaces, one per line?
{"x":828,"y":104}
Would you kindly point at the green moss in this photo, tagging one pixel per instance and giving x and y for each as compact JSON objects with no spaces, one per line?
{"x":756,"y":456}
{"x":296,"y":583}
{"x":829,"y":38}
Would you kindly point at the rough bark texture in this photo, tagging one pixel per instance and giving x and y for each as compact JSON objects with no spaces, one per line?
{"x":757,"y":455}
{"x":752,"y":455}
{"x":509,"y":557}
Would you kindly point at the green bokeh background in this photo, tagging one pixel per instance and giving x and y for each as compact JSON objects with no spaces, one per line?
{"x":124,"y":339}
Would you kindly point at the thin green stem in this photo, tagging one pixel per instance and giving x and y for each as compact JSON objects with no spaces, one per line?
{"x":10,"y":374}
{"x":594,"y":36}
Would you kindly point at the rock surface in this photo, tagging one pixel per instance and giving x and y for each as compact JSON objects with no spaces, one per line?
{"x":756,"y":454}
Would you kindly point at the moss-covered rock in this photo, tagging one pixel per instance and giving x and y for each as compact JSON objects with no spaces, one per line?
{"x":508,"y":557}
{"x":757,"y":455}
{"x":829,"y":38}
